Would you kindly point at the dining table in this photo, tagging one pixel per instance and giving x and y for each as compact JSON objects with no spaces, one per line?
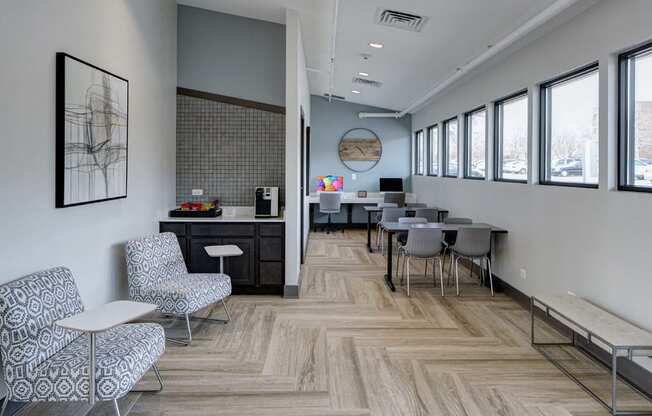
{"x":374,"y":209}
{"x":392,"y":228}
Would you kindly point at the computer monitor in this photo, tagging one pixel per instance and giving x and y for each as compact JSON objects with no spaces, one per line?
{"x":391,"y":184}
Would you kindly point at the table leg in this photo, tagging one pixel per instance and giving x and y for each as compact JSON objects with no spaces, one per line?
{"x":390,"y":258}
{"x":369,"y":232}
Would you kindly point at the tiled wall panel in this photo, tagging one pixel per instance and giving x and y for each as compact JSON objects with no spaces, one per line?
{"x":227,"y":151}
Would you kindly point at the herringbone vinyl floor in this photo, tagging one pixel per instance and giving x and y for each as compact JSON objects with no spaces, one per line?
{"x":350,"y":347}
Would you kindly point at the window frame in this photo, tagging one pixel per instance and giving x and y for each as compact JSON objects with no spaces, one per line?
{"x":445,"y":147}
{"x":467,"y":136}
{"x":416,"y":153}
{"x":429,"y":150}
{"x":498,"y":136}
{"x":544,"y":124}
{"x":625,"y":134}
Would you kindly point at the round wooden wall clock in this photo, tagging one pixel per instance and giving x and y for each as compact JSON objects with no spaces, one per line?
{"x":360,"y":149}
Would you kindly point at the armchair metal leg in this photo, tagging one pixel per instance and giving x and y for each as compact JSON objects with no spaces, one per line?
{"x":184,"y":342}
{"x":116,"y":407}
{"x":160,"y":382}
{"x":226,"y":309}
{"x":4,"y":406}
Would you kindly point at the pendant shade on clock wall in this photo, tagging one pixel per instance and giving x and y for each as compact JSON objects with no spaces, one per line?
{"x":360,"y":149}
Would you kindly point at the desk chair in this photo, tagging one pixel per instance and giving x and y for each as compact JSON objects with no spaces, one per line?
{"x":401,"y":238}
{"x":449,"y":237}
{"x":426,"y":244}
{"x":330,"y":203}
{"x":388,"y":215}
{"x":397,"y":198}
{"x":430,"y":214}
{"x":472,"y":243}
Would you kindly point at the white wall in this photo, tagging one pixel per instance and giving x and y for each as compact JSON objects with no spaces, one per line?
{"x":132,"y":38}
{"x":231,"y":55}
{"x":297,"y":97}
{"x":595,"y":243}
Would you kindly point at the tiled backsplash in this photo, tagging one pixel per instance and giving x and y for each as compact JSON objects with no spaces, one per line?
{"x":227,"y":151}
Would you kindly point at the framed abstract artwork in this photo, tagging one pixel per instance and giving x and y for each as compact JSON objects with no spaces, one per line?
{"x":92,"y":120}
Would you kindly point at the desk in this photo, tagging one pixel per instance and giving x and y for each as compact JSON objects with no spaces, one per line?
{"x":349,"y":200}
{"x":441,"y":214}
{"x":393,"y":227}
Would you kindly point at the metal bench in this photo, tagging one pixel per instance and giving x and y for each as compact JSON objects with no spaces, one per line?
{"x":599,"y":328}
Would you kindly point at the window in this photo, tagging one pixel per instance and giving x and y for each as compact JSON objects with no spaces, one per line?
{"x":433,"y":150}
{"x":419,"y":147}
{"x":450,"y":148}
{"x":475,"y":143}
{"x":635,"y":136}
{"x":569,"y":129}
{"x":511,"y":138}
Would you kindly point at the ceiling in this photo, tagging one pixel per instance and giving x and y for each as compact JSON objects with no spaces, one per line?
{"x":410,"y":63}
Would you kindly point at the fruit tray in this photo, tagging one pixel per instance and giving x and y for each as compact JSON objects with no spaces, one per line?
{"x":210,"y":213}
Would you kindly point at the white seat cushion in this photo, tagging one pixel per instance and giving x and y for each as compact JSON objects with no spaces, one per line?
{"x":186,"y":293}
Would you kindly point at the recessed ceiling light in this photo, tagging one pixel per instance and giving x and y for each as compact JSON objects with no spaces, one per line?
{"x":363,"y":74}
{"x":355,"y":92}
{"x":376,"y":45}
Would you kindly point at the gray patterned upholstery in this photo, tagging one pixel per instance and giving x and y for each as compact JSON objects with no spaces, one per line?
{"x":44,"y":362}
{"x":158,"y":274}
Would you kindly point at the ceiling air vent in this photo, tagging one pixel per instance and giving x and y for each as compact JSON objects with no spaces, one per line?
{"x":367,"y":82}
{"x":400,"y":20}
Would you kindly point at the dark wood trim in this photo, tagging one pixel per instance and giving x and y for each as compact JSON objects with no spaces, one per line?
{"x":231,"y":100}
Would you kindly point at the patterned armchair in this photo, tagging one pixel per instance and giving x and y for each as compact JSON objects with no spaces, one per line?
{"x":45,"y":362}
{"x":158,"y":274}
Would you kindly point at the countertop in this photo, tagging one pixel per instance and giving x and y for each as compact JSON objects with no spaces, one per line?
{"x":229,"y":214}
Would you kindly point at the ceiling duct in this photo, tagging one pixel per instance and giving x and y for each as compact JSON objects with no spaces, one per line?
{"x":367,"y":82}
{"x":334,"y":97}
{"x":400,"y":20}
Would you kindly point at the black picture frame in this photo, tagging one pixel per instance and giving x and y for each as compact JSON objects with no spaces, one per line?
{"x":86,"y":148}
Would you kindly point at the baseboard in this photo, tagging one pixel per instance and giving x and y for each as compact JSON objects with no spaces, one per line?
{"x":633,"y":373}
{"x":291,"y":291}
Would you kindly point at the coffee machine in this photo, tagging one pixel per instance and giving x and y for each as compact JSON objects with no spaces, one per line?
{"x":266,"y":201}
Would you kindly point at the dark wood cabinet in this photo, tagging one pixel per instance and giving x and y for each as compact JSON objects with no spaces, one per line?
{"x":260,"y":269}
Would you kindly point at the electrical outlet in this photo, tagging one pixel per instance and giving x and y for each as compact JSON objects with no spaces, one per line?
{"x":523,"y":274}
{"x":354,"y":176}
{"x":197,"y":192}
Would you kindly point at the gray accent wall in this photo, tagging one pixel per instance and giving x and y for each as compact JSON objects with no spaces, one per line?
{"x":331,"y":120}
{"x":132,"y":38}
{"x":227,"y":150}
{"x":231,"y":55}
{"x":592,"y":242}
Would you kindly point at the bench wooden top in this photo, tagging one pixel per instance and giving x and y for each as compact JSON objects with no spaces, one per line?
{"x":605,"y":325}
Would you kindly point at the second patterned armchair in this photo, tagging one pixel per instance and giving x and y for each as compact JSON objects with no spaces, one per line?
{"x":158,"y":274}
